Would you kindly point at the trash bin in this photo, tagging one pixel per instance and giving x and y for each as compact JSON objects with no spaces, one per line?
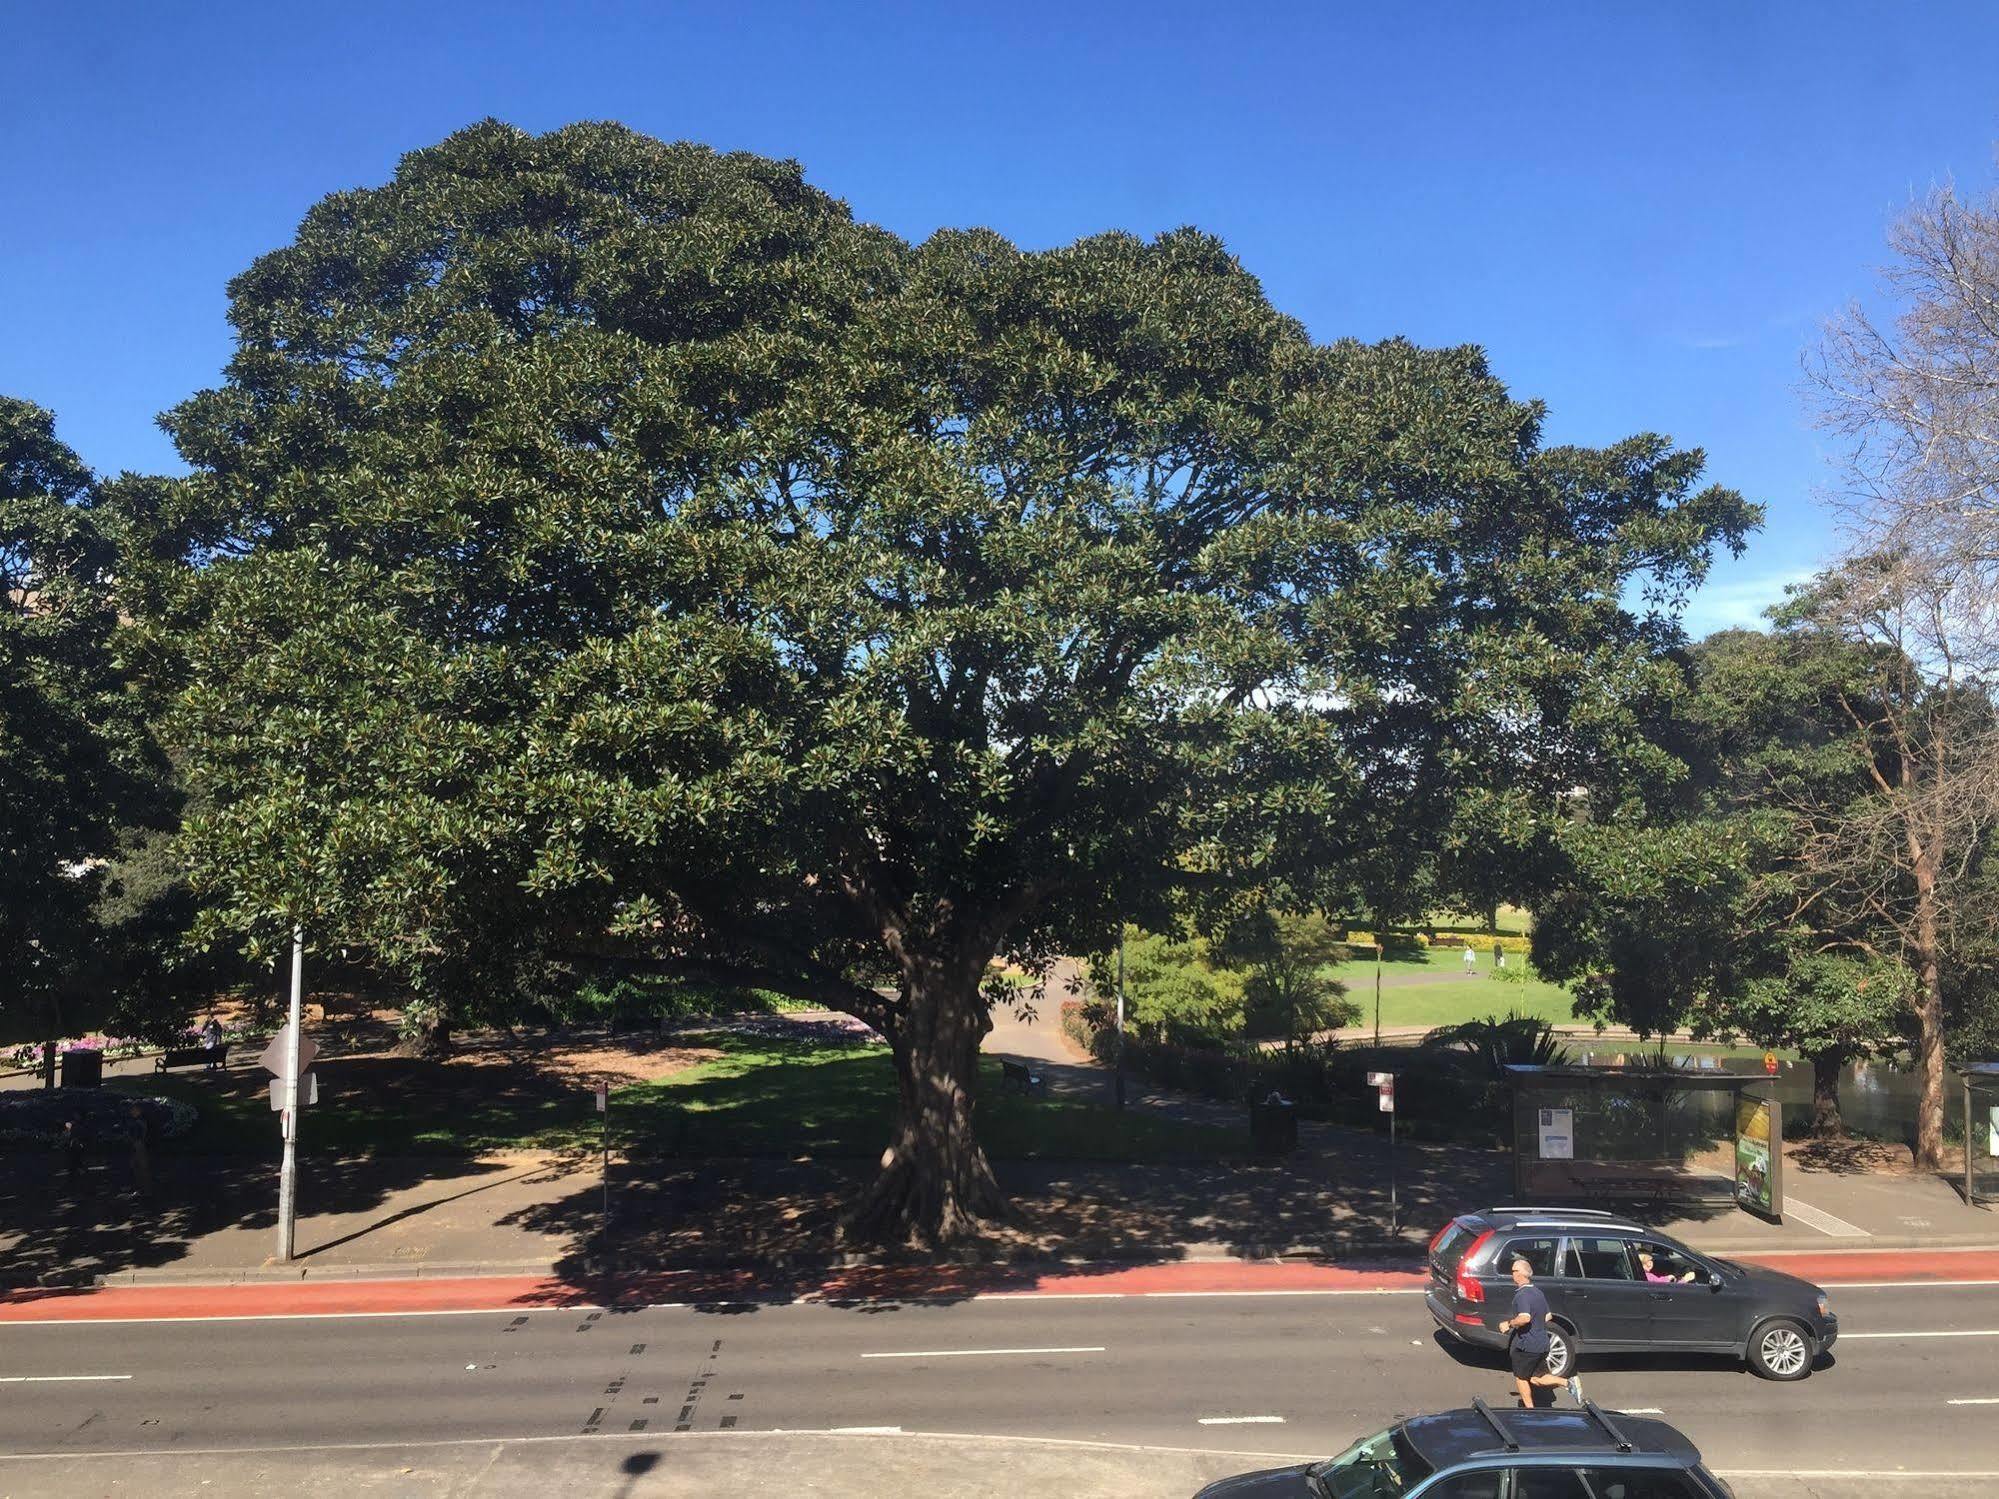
{"x":82,"y":1067}
{"x":1273,"y":1126}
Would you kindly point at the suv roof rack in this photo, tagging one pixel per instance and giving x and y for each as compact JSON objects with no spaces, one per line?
{"x":1558,"y":1212}
{"x":1498,"y":1427}
{"x":1596,"y":1414}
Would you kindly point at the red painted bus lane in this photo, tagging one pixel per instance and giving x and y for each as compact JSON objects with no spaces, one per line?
{"x":520,"y":1293}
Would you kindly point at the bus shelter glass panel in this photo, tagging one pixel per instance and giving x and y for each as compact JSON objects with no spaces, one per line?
{"x":1598,"y":1134}
{"x":1981,"y":1133}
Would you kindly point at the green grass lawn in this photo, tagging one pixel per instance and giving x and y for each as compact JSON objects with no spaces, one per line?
{"x":761,"y":1097}
{"x":1469,"y":999}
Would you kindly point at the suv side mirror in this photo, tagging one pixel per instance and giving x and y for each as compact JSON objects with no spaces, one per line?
{"x":1714,"y":1280}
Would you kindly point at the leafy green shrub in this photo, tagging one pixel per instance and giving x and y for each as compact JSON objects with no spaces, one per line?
{"x":1439,"y":1094}
{"x":1518,"y":1040}
{"x":1482,"y":942}
{"x":33,"y":1118}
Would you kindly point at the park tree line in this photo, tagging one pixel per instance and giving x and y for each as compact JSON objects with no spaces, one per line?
{"x":608,"y":555}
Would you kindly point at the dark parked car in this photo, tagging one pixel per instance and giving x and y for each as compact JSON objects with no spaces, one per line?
{"x":1481,"y":1453}
{"x":1616,"y":1286}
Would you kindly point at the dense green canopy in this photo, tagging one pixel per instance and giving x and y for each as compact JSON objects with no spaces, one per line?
{"x":605,"y":544}
{"x":75,"y":761}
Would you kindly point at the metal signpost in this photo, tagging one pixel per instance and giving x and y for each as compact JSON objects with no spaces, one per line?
{"x":287,"y":1057}
{"x":1384,"y":1084}
{"x":604,"y":1112}
{"x":1120,"y":1017}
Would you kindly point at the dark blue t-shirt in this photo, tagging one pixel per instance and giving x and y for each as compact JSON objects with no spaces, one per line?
{"x":1534,"y":1336}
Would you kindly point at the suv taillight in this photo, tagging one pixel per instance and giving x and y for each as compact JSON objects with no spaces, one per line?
{"x":1467,"y":1284}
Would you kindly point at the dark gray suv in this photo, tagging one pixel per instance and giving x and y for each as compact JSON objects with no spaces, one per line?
{"x":1615,"y":1286}
{"x":1481,"y":1453}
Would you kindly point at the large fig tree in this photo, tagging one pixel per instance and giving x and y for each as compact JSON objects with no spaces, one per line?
{"x":603,"y":545}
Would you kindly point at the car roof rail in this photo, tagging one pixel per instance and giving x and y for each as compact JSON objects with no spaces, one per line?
{"x":1610,"y":1426}
{"x":1548,"y":1212}
{"x":1498,"y":1427}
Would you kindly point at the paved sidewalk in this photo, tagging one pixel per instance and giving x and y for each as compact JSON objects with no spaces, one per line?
{"x":1824,"y":1208}
{"x":214,"y":1217}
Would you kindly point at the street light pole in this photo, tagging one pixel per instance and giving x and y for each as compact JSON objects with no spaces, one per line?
{"x":1120,"y":1015}
{"x":288,"y":1172}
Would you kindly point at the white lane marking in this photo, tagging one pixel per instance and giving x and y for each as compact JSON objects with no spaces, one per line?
{"x":1824,"y":1222}
{"x":481,"y":1311}
{"x":1904,"y":1285}
{"x":1852,"y":1474}
{"x":666,"y":1306}
{"x":979,"y":1352}
{"x":1240,"y":1421}
{"x":1981,"y":1401}
{"x":613,"y":1438}
{"x":1369,"y":1291}
{"x":58,"y":1378}
{"x":866,"y":1431}
{"x":1980,"y":1332}
{"x":1640,"y":1410}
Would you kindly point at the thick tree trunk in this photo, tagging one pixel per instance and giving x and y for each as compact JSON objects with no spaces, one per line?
{"x":935,"y":1186}
{"x":48,"y":1064}
{"x":429,"y":1037}
{"x":1826,"y":1066}
{"x":1929,"y":1023}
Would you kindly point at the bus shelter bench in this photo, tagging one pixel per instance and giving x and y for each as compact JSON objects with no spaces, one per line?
{"x":192,"y":1056}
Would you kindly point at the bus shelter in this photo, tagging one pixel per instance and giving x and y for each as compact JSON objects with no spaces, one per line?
{"x":1626,"y":1134}
{"x":1981,"y":1132}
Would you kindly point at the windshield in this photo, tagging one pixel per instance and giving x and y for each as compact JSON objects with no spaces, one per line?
{"x":1376,"y":1467}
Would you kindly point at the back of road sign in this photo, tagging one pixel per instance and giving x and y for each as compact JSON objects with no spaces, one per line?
{"x":276,"y":1056}
{"x":308,"y":1091}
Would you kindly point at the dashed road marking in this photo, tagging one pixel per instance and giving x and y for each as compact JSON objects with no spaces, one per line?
{"x":980,"y":1352}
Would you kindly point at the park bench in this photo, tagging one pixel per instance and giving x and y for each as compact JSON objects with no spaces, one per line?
{"x":1020,"y":1076}
{"x":192,"y":1056}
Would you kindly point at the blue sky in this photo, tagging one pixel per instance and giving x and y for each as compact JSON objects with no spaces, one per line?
{"x":1643,"y":212}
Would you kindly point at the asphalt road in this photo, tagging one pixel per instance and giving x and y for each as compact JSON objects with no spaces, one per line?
{"x":1286,"y":1373}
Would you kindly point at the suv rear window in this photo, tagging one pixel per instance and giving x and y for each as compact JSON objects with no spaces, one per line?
{"x":1452,"y":1246}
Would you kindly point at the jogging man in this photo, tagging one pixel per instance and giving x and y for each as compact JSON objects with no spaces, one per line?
{"x":1528,"y":1351}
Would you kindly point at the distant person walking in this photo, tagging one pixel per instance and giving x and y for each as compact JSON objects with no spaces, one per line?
{"x":76,"y":1163}
{"x":1527,"y":1352}
{"x":211,"y":1041}
{"x":1498,"y":956}
{"x":140,"y":1134}
{"x":1471,"y":960}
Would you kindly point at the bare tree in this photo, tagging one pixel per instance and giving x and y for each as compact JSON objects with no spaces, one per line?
{"x":1915,"y":399}
{"x":1905,"y":854}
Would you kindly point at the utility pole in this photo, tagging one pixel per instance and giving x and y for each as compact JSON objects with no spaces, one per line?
{"x":1120,"y":1015}
{"x":288,"y":1173}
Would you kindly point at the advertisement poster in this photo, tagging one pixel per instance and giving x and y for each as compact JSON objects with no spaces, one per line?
{"x":1754,"y":1183}
{"x":1558,"y":1140}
